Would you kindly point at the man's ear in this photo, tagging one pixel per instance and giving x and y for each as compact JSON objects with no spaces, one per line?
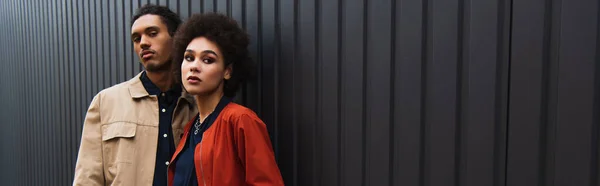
{"x":228,"y":71}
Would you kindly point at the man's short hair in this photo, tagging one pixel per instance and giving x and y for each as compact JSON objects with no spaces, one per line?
{"x":168,"y":17}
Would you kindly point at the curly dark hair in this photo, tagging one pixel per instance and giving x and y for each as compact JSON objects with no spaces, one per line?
{"x":168,"y":17}
{"x":230,"y":39}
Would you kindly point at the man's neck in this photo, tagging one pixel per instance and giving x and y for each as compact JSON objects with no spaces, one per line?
{"x":163,"y":80}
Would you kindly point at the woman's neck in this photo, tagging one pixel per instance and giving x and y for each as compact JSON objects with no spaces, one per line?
{"x":207,"y":103}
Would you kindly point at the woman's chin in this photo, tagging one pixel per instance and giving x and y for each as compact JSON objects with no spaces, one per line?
{"x":193,"y":92}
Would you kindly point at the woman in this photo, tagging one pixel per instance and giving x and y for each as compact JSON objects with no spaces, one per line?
{"x":226,"y":143}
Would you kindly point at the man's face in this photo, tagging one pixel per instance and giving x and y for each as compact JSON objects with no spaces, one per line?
{"x":152,"y":43}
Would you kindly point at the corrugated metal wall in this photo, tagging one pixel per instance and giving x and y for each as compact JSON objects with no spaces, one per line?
{"x":554,"y":94}
{"x":355,"y":92}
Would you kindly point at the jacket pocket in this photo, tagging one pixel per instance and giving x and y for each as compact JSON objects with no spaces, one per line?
{"x":118,"y":143}
{"x":119,"y":149}
{"x":118,"y":130}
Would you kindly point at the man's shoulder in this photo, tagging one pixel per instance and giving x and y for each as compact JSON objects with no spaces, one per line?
{"x":117,"y":90}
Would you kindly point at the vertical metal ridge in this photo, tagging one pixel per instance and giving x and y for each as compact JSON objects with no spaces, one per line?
{"x":462,"y":91}
{"x":392,"y":128}
{"x":113,"y":42}
{"x":35,"y":139}
{"x":365,"y":129}
{"x":202,"y":5}
{"x":20,"y":67}
{"x":503,"y":100}
{"x":595,"y":154}
{"x":72,"y":95}
{"x":294,"y":109}
{"x":54,"y":90}
{"x":189,"y":7}
{"x":318,"y":107}
{"x":425,"y":60}
{"x":42,"y":147}
{"x":106,"y":27}
{"x":94,"y":50}
{"x":23,"y":67}
{"x":97,"y":20}
{"x":124,"y":63}
{"x":83,"y":76}
{"x":244,"y":86}
{"x":340,"y":54}
{"x":61,"y":92}
{"x":276,"y":88}
{"x":549,"y":97}
{"x":75,"y":88}
{"x":44,"y":99}
{"x":260,"y":55}
{"x":67,"y":86}
{"x":214,"y":6}
{"x":9,"y":73}
{"x":229,"y":8}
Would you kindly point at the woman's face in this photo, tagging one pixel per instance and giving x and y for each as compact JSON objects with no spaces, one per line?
{"x":203,"y":70}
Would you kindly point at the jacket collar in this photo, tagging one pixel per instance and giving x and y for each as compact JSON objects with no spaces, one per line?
{"x":137,"y":90}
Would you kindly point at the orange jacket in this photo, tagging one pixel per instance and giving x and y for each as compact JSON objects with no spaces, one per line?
{"x":235,"y":150}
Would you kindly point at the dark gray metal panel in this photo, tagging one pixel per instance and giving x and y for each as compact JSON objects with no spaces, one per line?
{"x":172,"y":4}
{"x":410,"y":27}
{"x":120,"y":41}
{"x":55,"y":119}
{"x":306,"y":82}
{"x":525,"y":110}
{"x":71,"y":94}
{"x":595,"y":159}
{"x":267,"y":64}
{"x":105,"y":31}
{"x":353,"y":93}
{"x":329,"y":65}
{"x":195,"y":7}
{"x":443,"y":101}
{"x":286,"y":100}
{"x":185,"y":9}
{"x":137,"y":66}
{"x":553,"y":131}
{"x":483,"y":58}
{"x":250,"y":22}
{"x":208,"y":5}
{"x":222,"y":6}
{"x":576,"y":59}
{"x":378,"y":84}
{"x":130,"y":57}
{"x":113,"y":41}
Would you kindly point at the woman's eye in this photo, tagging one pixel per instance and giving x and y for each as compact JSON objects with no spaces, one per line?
{"x":208,"y":60}
{"x":189,"y":58}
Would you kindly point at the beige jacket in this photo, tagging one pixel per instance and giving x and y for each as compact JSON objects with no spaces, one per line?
{"x":120,"y":133}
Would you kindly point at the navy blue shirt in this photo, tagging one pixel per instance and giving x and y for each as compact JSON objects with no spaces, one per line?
{"x":185,"y":172}
{"x":165,"y":149}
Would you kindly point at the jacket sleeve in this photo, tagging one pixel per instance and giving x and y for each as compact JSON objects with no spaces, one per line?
{"x":89,"y":170}
{"x":256,"y":153}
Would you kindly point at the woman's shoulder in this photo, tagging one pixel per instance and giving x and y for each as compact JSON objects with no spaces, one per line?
{"x":235,"y":112}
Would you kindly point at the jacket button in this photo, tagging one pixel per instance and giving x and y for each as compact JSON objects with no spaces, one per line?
{"x":167,"y":163}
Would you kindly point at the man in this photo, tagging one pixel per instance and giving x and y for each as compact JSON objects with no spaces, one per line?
{"x":131,"y":129}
